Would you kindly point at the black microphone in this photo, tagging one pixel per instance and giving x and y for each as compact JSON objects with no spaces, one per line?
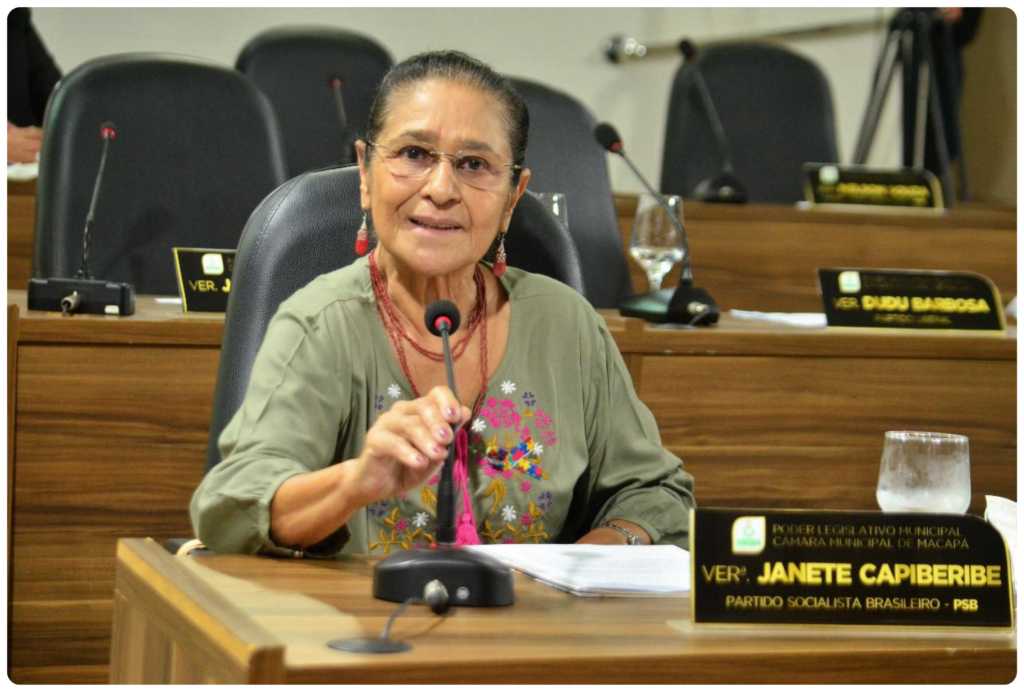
{"x":472,"y":578}
{"x":684,"y":304}
{"x":82,"y":293}
{"x":107,"y":133}
{"x":724,"y":186}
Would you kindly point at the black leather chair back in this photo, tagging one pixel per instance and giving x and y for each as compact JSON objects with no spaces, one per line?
{"x":563,"y":156}
{"x":294,"y":67}
{"x":776,"y":110}
{"x":307,"y":227}
{"x":197,"y":147}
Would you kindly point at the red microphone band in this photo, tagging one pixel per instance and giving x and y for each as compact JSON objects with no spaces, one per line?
{"x":108,"y":133}
{"x":445,"y":320}
{"x":615,"y":147}
{"x":336,"y":83}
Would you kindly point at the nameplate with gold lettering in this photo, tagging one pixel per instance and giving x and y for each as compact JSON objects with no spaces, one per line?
{"x":896,"y":299}
{"x":848,"y":568}
{"x":204,"y":278}
{"x":833,"y":185}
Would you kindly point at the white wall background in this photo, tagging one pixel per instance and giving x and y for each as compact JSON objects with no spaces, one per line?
{"x":559,"y":47}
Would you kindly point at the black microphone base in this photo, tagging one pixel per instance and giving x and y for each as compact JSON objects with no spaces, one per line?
{"x":723,"y":188}
{"x":93,"y":297}
{"x":472,"y":579}
{"x":683,"y":304}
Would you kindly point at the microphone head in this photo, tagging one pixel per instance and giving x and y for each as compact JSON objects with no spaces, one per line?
{"x":688,"y":50}
{"x":441,"y":312}
{"x":108,"y":130}
{"x":608,"y":137}
{"x":336,"y":82}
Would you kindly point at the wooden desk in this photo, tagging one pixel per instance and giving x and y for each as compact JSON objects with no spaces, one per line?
{"x":9,"y":439}
{"x":763,"y":256}
{"x":110,"y":418}
{"x":21,"y":218}
{"x":754,"y":256}
{"x":257,"y":620}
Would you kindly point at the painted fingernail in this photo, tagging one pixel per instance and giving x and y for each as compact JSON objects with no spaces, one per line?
{"x":420,"y":460}
{"x":450,"y":412}
{"x":438,"y":448}
{"x":442,"y":433}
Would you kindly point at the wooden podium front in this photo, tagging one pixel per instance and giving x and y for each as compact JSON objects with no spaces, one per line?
{"x":241,"y":619}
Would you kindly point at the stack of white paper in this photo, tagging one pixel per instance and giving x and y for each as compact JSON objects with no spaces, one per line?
{"x":809,"y":320}
{"x":22,"y":171}
{"x":600,"y":569}
{"x":1001,"y":513}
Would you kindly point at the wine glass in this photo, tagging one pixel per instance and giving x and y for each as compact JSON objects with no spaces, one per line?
{"x":925,"y":471}
{"x":555,"y":203}
{"x":656,"y":243}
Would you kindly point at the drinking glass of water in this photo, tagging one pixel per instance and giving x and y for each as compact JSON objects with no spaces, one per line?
{"x":656,"y":244}
{"x":925,"y":471}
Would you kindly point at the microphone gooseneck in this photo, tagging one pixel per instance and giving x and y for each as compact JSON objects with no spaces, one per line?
{"x":442,"y":319}
{"x":108,"y":132}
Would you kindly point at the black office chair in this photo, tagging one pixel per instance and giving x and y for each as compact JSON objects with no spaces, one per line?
{"x":563,"y":156}
{"x":306,"y":228}
{"x":196,"y":148}
{"x":776,"y":110}
{"x":296,"y":67}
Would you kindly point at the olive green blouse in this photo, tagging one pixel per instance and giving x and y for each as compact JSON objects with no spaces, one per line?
{"x":560,"y":445}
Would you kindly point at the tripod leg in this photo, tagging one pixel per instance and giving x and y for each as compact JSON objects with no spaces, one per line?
{"x":933,"y":108}
{"x":879,"y":91}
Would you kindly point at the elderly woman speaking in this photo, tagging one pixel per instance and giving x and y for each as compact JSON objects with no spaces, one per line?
{"x":348,"y":416}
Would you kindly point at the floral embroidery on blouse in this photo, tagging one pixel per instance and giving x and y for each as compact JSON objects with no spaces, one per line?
{"x":507,"y":442}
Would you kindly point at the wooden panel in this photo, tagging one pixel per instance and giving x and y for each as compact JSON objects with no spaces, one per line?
{"x":826,"y":402}
{"x":839,"y":478}
{"x":208,"y":631}
{"x":111,"y":443}
{"x":763,"y":257}
{"x":21,"y":218}
{"x":12,"y":391}
{"x":808,"y":432}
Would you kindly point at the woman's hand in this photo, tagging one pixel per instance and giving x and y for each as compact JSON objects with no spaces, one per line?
{"x":406,"y":445}
{"x":23,"y":143}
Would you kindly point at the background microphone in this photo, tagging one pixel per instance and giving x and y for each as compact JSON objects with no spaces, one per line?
{"x":82,"y":293}
{"x":609,"y":138}
{"x":725,"y":186}
{"x":336,"y":83}
{"x":684,"y":304}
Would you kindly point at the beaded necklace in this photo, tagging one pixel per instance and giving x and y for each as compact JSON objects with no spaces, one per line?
{"x":397,"y":333}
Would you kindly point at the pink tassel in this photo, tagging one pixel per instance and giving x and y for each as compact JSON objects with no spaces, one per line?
{"x":465,"y":533}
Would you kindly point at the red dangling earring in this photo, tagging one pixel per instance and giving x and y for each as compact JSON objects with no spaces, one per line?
{"x":362,"y":239}
{"x":499,"y":258}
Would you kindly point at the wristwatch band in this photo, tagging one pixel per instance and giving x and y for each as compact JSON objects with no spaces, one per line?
{"x":633,"y":540}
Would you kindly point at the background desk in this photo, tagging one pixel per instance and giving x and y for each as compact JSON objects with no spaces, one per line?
{"x":254,"y":619}
{"x":21,"y":218}
{"x":108,"y":422}
{"x":753,"y":256}
{"x":763,"y":256}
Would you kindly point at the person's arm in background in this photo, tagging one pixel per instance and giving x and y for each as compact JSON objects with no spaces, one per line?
{"x":31,"y":76}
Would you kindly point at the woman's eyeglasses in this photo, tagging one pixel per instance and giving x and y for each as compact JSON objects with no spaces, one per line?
{"x":477,"y":169}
